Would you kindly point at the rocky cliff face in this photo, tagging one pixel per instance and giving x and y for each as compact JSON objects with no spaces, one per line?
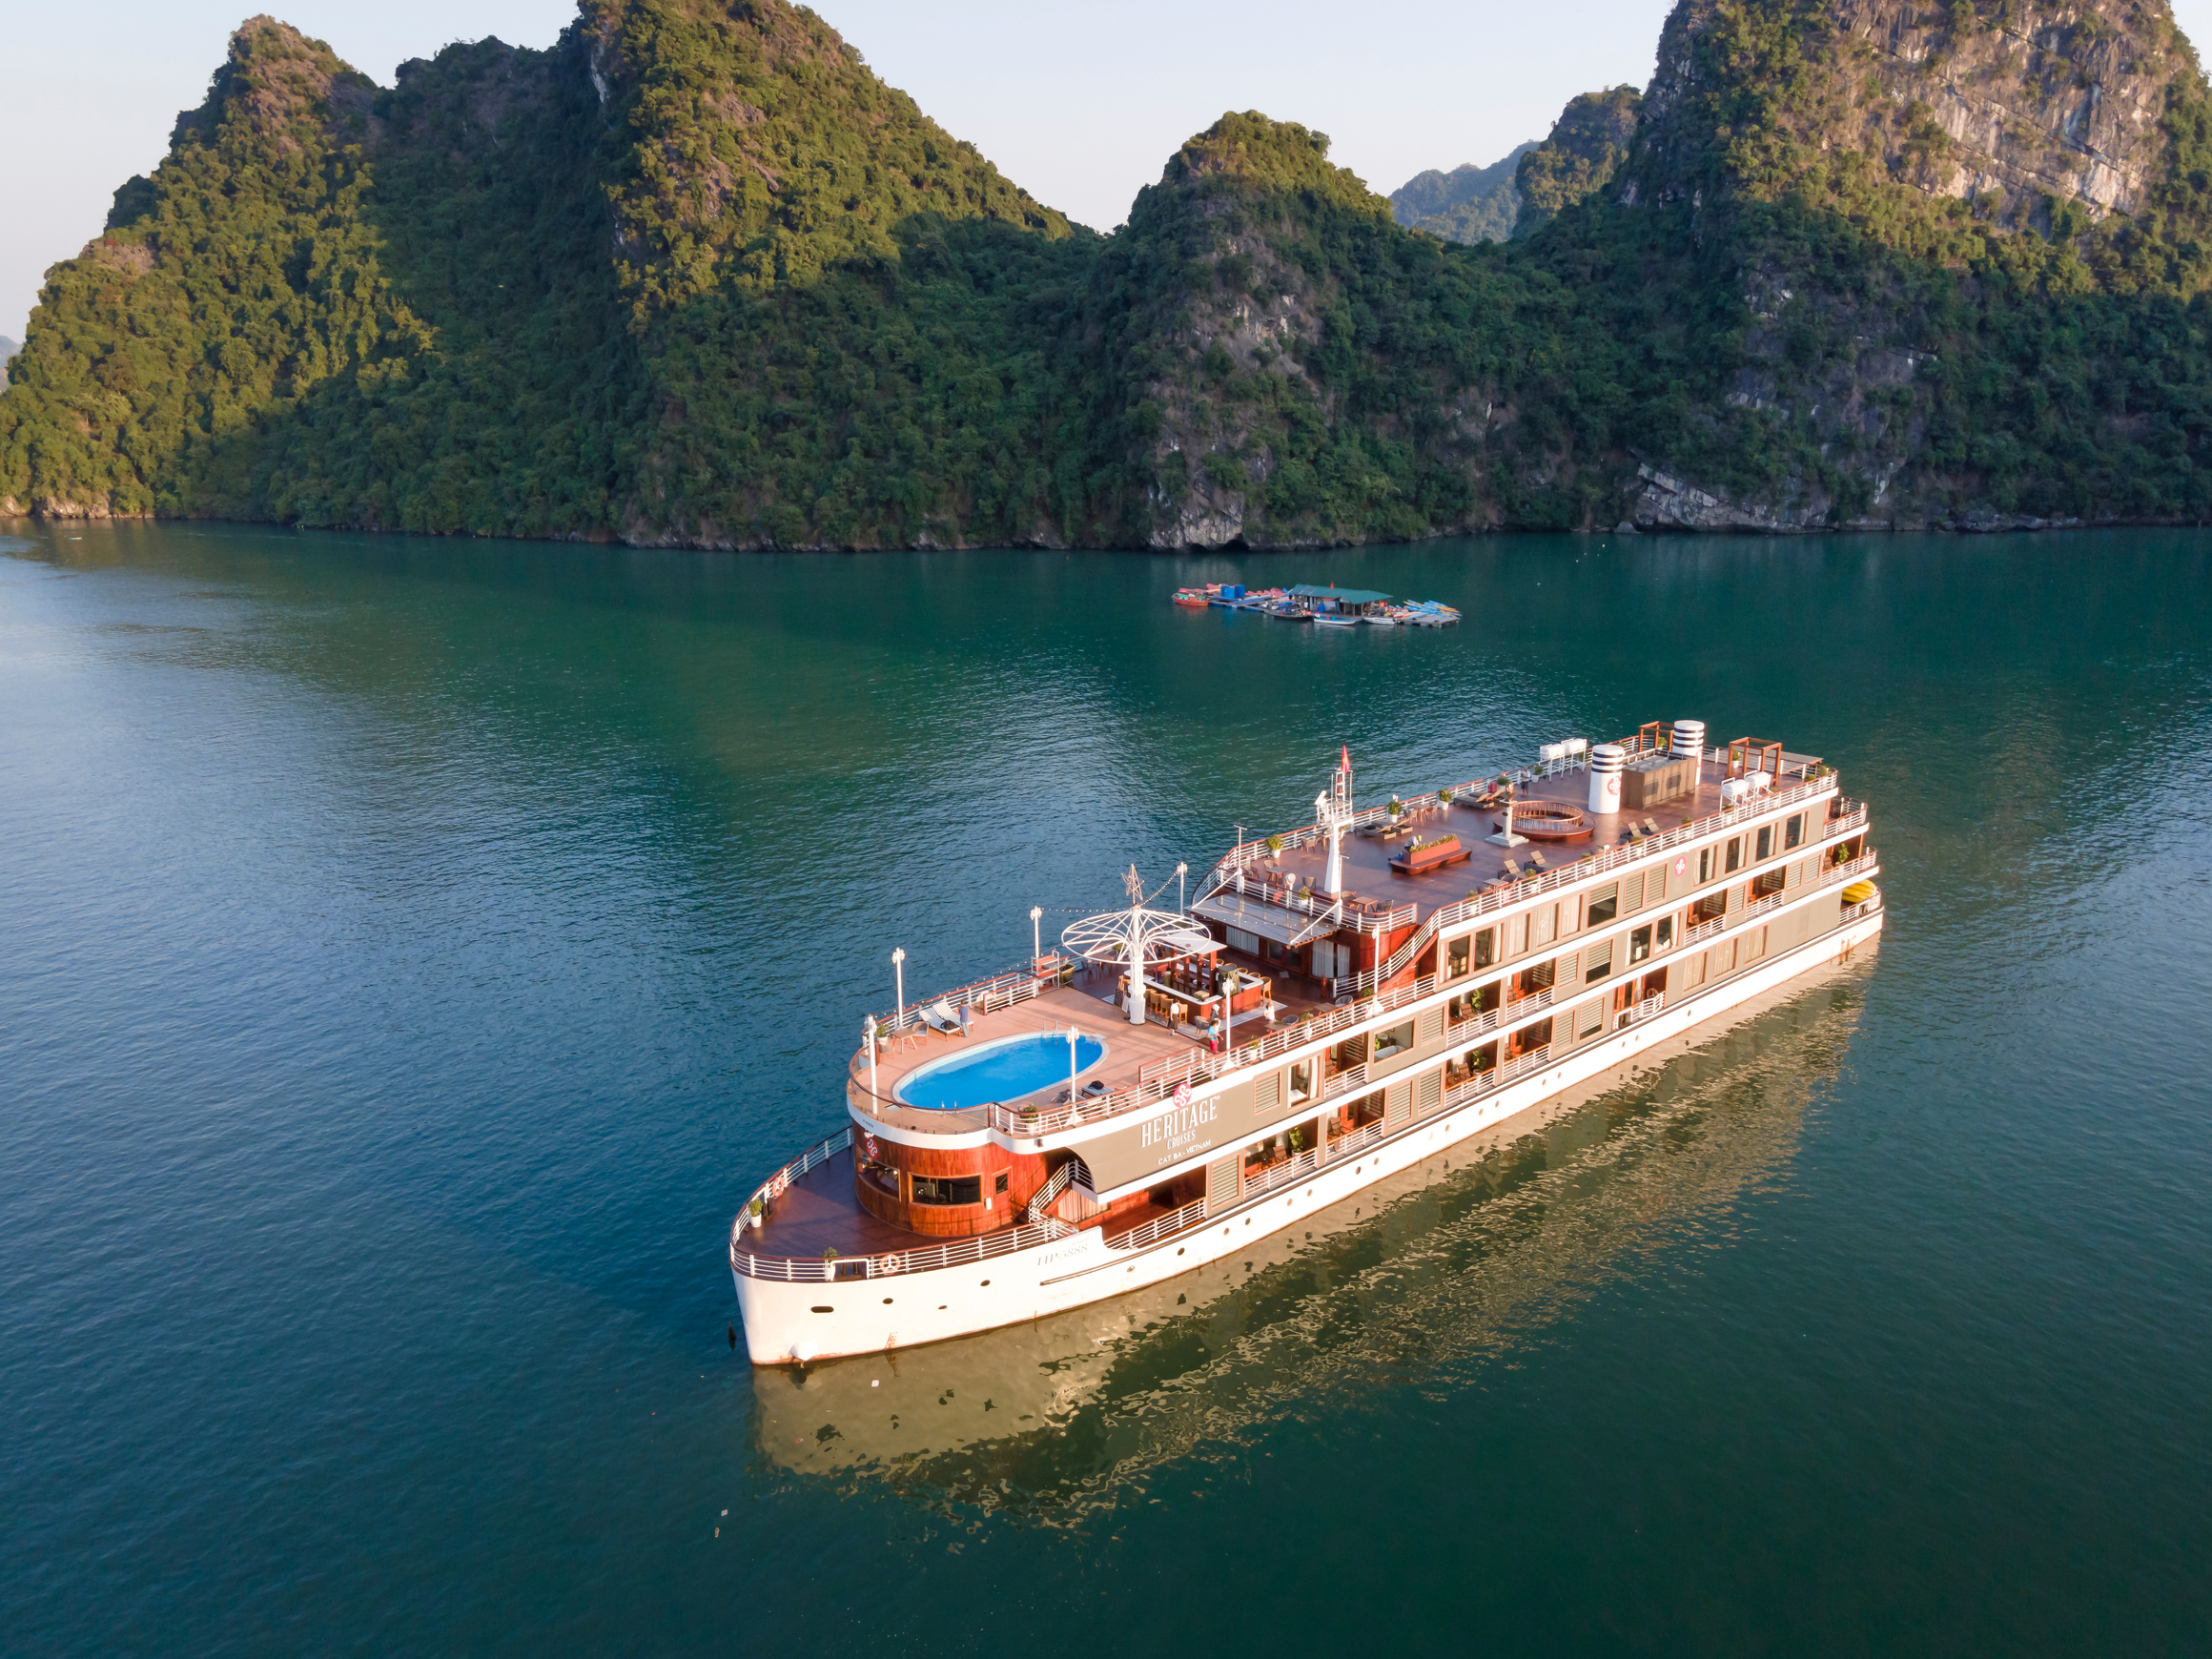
{"x":1892,"y":189}
{"x":2010,"y":105}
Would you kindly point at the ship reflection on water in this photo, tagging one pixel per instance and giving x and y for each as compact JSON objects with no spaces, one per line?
{"x":1420,"y":1280}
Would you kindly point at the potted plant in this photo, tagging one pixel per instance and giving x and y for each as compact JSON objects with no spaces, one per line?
{"x":1396,"y":808}
{"x":1444,"y":797}
{"x":1274,"y":847}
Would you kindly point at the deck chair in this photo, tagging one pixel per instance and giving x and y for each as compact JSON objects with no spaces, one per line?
{"x":940,"y":1016}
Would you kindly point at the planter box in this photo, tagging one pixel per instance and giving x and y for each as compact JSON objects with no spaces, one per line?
{"x":1436,"y":855}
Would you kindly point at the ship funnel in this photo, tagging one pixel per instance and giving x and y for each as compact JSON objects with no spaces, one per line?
{"x":1690,"y":739}
{"x":1607,"y":760}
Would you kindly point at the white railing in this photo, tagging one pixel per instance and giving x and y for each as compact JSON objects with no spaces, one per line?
{"x":955,"y":1254}
{"x":1041,"y":1201}
{"x":756,"y":1208}
{"x":1854,"y":817}
{"x":1496,"y":1078}
{"x":1705,"y":931}
{"x":1164,"y":1227}
{"x":1476,"y":1024}
{"x":1865,"y":907}
{"x":1759,"y":907}
{"x":1358,"y":1140}
{"x":1533,"y":1060}
{"x":1594,"y":865}
{"x":1360,"y":915}
{"x":1540,"y":997}
{"x":985,"y":995}
{"x":1644,"y":1010}
{"x":1288,"y":1173}
{"x":1859,"y":865}
{"x":1344,"y":1082}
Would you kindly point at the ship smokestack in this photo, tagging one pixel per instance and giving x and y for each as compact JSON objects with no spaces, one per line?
{"x":1690,"y":739}
{"x":1607,"y":760}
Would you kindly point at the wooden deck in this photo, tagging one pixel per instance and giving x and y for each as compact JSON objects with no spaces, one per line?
{"x":820,"y":1212}
{"x":1368,"y":875}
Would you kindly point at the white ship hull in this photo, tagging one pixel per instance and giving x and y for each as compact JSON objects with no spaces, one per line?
{"x":787,"y":1321}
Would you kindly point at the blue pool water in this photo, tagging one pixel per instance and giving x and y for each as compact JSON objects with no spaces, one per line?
{"x":1005,"y":1070}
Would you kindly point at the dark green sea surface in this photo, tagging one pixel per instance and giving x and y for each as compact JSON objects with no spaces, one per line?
{"x":411,"y":952}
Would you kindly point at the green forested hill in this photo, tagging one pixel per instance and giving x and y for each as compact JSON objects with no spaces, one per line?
{"x":1468,"y":204}
{"x":695,"y":276}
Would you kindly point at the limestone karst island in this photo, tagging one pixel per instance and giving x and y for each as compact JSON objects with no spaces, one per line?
{"x":696,"y":276}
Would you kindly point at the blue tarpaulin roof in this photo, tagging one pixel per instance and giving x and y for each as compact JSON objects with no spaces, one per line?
{"x":1342,"y":595}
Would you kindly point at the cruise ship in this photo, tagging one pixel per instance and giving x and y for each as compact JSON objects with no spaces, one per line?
{"x":1331,"y":1007}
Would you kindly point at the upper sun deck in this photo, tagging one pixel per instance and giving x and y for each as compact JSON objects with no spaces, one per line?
{"x":1376,"y":893}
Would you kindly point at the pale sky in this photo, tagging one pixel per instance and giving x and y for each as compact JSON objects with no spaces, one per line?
{"x":1081,"y":105}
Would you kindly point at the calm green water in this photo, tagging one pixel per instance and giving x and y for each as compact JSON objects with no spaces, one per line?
{"x":415,"y":950}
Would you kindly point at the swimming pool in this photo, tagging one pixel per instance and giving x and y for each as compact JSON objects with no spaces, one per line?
{"x":1005,"y":1070}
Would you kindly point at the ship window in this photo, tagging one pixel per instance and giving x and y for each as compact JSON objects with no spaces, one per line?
{"x":949,"y":1189}
{"x":1600,"y":961}
{"x":1455,"y":959}
{"x":1486,"y":947}
{"x":1666,"y":932}
{"x":1765,"y":847}
{"x":998,"y":1185}
{"x":1794,"y":832}
{"x":1605,"y":904}
{"x":1395,"y":1041}
{"x":1241,"y":940}
{"x":1639,"y":944}
{"x":1301,"y":1083}
{"x":1590,"y":1017}
{"x":1705,"y":864}
{"x":1516,"y":935}
{"x":1736,"y":854}
{"x":1543,"y":925}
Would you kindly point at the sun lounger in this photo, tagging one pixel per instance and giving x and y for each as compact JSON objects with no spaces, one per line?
{"x":940,"y":1016}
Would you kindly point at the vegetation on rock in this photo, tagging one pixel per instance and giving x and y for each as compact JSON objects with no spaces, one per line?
{"x":1585,"y":148}
{"x":1468,"y":204}
{"x":694,"y":275}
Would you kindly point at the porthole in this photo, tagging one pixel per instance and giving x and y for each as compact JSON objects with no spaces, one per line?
{"x":887,"y":1302}
{"x":987,"y":1281}
{"x":825,"y":1310}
